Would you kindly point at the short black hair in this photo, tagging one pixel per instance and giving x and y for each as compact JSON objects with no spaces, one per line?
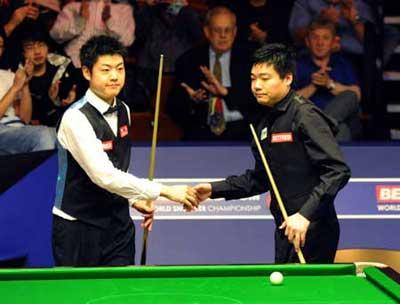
{"x":98,"y":46}
{"x":280,"y":56}
{"x":31,"y":32}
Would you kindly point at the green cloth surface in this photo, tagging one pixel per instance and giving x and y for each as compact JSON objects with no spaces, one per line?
{"x":223,"y":284}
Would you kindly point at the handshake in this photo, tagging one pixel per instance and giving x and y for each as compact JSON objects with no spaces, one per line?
{"x":189,"y":197}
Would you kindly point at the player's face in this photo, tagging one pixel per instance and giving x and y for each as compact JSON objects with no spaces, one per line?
{"x":36,"y":51}
{"x":267,"y":86}
{"x":107,"y":76}
{"x":221,"y":32}
{"x":320,"y":42}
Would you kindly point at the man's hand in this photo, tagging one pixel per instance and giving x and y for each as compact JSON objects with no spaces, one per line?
{"x":71,"y":96}
{"x":349,"y":10}
{"x":106,"y":14}
{"x":204,"y":191}
{"x":23,"y":75}
{"x":195,"y":95}
{"x":181,"y":194}
{"x":147,"y":210}
{"x":257,"y":34}
{"x":19,"y":79}
{"x":296,"y":228}
{"x":321,"y":78}
{"x":28,"y":67}
{"x":212,"y":84}
{"x":85,"y":5}
{"x":53,"y":90}
{"x":331,"y":14}
{"x":27,"y":11}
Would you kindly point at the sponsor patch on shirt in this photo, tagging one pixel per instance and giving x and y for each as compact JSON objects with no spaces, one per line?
{"x":264,"y":133}
{"x":107,"y":145}
{"x":123,"y":131}
{"x":282,"y":137}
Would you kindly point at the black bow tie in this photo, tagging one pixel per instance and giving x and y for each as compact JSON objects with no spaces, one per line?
{"x":112,"y":109}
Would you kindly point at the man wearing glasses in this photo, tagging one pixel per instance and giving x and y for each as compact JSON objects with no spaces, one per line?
{"x":210,"y":101}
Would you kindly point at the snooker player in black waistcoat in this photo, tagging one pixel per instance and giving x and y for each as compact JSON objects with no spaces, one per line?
{"x":298,"y":141}
{"x":91,"y":222}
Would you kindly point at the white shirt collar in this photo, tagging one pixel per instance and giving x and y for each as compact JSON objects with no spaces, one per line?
{"x":224,"y":55}
{"x":97,"y":102}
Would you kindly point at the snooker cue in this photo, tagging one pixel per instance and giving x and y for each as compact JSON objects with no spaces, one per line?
{"x":153,"y":153}
{"x":274,"y":187}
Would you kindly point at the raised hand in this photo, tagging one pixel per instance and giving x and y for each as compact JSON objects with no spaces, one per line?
{"x":85,"y":4}
{"x":27,"y":11}
{"x":196,"y":95}
{"x":106,"y":14}
{"x":296,"y":228}
{"x":20,"y":79}
{"x":28,"y":67}
{"x":71,"y":96}
{"x":212,"y":84}
{"x":53,"y":90}
{"x":349,"y":10}
{"x":257,"y":34}
{"x":330,"y":13}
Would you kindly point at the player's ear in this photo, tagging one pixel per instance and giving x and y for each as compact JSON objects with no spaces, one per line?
{"x":288,"y":79}
{"x":86,"y":73}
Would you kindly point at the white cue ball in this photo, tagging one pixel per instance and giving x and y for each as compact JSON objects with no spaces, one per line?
{"x":276,"y":278}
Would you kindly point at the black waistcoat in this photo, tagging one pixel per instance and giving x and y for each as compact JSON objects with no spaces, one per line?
{"x":79,"y":196}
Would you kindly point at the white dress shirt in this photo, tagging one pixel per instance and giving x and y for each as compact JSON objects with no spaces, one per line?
{"x":76,"y":135}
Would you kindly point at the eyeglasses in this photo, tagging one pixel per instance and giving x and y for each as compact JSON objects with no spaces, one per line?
{"x":222,"y":30}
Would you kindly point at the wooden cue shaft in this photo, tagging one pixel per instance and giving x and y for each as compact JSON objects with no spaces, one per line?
{"x":153,"y":152}
{"x":274,"y":187}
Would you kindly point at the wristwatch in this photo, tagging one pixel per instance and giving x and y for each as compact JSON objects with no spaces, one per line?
{"x":356,"y":19}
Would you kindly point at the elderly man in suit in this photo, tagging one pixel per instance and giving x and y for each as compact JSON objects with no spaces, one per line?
{"x":212,"y":99}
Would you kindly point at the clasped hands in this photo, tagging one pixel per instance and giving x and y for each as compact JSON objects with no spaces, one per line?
{"x":189,"y":197}
{"x":321,"y":78}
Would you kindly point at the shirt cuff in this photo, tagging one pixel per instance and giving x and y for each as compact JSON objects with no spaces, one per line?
{"x":307,"y":210}
{"x":218,"y":189}
{"x":156,"y":190}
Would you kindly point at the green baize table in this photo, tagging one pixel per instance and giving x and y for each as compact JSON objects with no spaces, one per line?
{"x":225,"y":284}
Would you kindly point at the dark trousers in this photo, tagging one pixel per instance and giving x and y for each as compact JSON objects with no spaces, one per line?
{"x":321,"y":243}
{"x":80,"y":244}
{"x":345,"y":108}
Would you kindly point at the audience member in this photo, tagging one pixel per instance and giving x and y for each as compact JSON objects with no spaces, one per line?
{"x":15,"y":113}
{"x":261,"y":21}
{"x":211,"y":98}
{"x":162,"y":28}
{"x":328,"y":79}
{"x":16,"y":14}
{"x":348,"y":15}
{"x":54,"y":81}
{"x":80,"y":20}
